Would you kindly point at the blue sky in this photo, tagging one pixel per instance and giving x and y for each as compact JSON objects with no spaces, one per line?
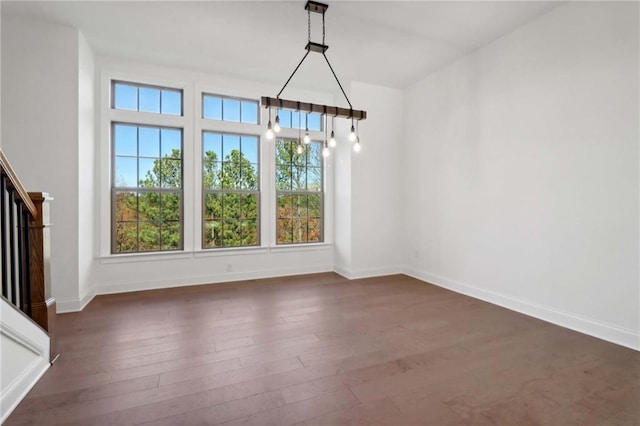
{"x":148,"y":99}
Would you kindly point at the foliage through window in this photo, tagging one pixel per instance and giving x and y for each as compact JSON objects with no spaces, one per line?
{"x":230,"y":180}
{"x":146,"y":188}
{"x":299,"y":192}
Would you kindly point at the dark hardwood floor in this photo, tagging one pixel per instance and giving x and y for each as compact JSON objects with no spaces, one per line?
{"x":322,"y":350}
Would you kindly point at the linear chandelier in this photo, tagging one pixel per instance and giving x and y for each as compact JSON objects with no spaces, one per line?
{"x":305,"y":107}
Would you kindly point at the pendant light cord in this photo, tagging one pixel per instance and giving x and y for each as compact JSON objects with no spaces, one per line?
{"x":323,"y":54}
{"x":337,"y":81}
{"x":292,"y":74}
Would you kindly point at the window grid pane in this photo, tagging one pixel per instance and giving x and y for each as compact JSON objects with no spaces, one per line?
{"x":145,"y":98}
{"x":300,"y":120}
{"x":147,"y":188}
{"x":231,"y":197}
{"x":225,"y":108}
{"x":299,"y":193}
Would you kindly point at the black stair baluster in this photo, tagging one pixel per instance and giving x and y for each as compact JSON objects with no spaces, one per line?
{"x":3,"y":233}
{"x":27,"y":262}
{"x":20,"y":281}
{"x":12,"y":247}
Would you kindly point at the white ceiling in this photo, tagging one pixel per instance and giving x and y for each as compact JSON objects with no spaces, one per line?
{"x":391,"y":43}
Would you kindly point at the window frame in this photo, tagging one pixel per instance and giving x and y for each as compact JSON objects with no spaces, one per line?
{"x":307,"y":192}
{"x":143,"y":119}
{"x":105,"y":154}
{"x":203,"y":94}
{"x":138,"y":189}
{"x":112,"y":101}
{"x":206,"y":191}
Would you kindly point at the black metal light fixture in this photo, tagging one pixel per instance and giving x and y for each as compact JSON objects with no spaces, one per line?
{"x":306,"y":107}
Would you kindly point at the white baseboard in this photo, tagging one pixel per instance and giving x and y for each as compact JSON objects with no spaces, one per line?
{"x":74,"y":305}
{"x":354,"y":274}
{"x":124,"y":287}
{"x":25,"y":351}
{"x":21,"y":387}
{"x":608,"y":332}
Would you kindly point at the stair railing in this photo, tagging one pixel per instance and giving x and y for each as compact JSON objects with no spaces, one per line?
{"x":25,"y":254}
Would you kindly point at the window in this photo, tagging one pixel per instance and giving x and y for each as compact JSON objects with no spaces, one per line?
{"x":299,"y":192}
{"x":297,"y":120}
{"x":216,"y":107}
{"x":146,"y":171}
{"x":183,"y":173}
{"x":144,"y":98}
{"x":230,"y":181}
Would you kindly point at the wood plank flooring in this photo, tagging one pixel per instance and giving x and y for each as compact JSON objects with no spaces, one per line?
{"x":322,"y":350}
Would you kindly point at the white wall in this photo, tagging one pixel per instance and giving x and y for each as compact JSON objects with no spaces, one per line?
{"x":342,"y":157}
{"x":377,"y":183}
{"x":25,"y":348}
{"x":87,"y":197}
{"x":40,"y":130}
{"x":521,"y":169}
{"x":368,"y":189}
{"x":0,"y":75}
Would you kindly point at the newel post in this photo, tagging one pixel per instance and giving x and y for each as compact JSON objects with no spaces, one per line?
{"x":43,"y":305}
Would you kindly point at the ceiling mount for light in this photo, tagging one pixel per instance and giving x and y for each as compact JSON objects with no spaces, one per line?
{"x":306,"y":107}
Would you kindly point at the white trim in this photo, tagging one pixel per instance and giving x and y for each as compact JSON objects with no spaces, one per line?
{"x":16,"y":327}
{"x":74,"y":305}
{"x":146,"y":257}
{"x":125,"y":287}
{"x":343,"y":272}
{"x":230,"y":251}
{"x":595,"y":328}
{"x":21,"y":339}
{"x":19,"y":389}
{"x":214,"y":252}
{"x":354,"y":274}
{"x":296,"y":248}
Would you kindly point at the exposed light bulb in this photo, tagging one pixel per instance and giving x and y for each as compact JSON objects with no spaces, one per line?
{"x":269,"y":134}
{"x":325,"y":151}
{"x":332,"y":140}
{"x":352,"y":135}
{"x":276,"y":126}
{"x":306,"y":139}
{"x":356,"y":146}
{"x":299,"y":149}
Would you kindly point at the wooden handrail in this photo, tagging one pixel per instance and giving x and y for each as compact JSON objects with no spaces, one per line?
{"x":6,"y":169}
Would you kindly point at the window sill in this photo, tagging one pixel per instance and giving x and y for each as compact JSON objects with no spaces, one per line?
{"x":145,"y":257}
{"x":220,"y":252}
{"x":231,"y":251}
{"x":286,"y":248}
